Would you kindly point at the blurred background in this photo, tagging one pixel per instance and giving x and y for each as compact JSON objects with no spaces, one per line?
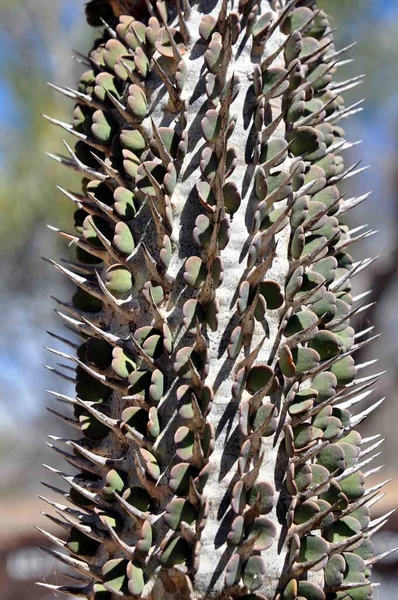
{"x":36,"y":42}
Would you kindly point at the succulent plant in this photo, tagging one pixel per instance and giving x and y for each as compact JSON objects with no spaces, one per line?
{"x":217,"y":395}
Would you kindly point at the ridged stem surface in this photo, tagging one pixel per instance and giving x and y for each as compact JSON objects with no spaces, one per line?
{"x":216,"y":449}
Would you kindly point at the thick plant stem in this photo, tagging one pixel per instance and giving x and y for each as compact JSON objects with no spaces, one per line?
{"x":216,"y":390}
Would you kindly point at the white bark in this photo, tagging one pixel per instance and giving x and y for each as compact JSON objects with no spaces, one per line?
{"x":209,"y":581}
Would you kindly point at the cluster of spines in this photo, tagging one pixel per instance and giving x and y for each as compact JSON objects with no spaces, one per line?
{"x":130,"y":167}
{"x":124,"y":370}
{"x":312,"y":354}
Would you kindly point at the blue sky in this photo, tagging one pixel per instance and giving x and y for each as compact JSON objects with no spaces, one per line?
{"x":10,"y":110}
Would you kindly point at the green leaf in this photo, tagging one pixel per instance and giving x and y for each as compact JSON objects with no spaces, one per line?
{"x":259,"y":377}
{"x":115,"y":576}
{"x":179,"y":510}
{"x":342,"y":529}
{"x":312,"y":547}
{"x":254,"y":573}
{"x":119,"y":281}
{"x":136,"y":580}
{"x":175,"y":553}
{"x":263,"y":531}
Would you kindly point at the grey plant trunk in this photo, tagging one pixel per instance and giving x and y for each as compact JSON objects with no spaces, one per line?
{"x":224,"y":413}
{"x":214,"y":374}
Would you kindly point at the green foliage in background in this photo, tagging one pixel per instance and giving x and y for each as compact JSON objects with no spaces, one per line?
{"x":38,"y":43}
